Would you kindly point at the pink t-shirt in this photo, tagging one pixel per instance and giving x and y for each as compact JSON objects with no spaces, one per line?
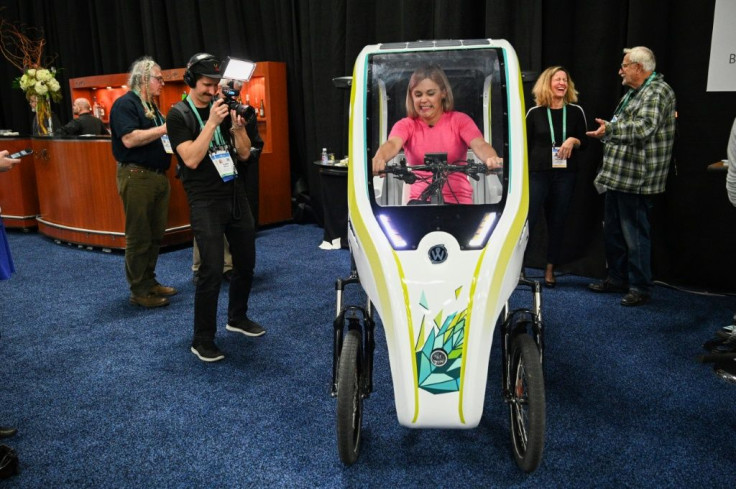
{"x":452,"y":135}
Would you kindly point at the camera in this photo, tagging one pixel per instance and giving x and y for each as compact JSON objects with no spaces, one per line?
{"x":241,"y":70}
{"x":230,"y":96}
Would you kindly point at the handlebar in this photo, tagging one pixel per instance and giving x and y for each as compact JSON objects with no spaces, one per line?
{"x":471,"y":168}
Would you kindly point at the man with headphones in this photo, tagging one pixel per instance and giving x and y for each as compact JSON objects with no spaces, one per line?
{"x":210,"y":142}
{"x":141,"y":148}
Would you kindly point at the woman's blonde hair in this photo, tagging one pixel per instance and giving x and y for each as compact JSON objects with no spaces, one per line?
{"x":437,"y":75}
{"x":542,"y":90}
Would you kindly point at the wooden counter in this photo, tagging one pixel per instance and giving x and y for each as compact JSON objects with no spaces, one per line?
{"x":268,"y":183}
{"x":78,"y":196}
{"x":18,"y":194}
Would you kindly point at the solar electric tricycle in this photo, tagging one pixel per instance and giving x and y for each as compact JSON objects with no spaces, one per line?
{"x":439,"y":275}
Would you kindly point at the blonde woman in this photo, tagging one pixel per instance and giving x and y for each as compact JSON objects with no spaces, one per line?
{"x":555,"y":134}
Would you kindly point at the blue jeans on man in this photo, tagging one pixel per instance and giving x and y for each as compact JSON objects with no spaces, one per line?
{"x":627,"y":236}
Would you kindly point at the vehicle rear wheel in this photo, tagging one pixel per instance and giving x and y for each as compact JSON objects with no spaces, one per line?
{"x":527,"y":403}
{"x":349,"y":399}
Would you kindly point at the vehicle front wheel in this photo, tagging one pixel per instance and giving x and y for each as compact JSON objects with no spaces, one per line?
{"x":349,"y":399}
{"x":527,"y":404}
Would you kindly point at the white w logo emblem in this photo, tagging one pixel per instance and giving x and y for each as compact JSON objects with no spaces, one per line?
{"x":437,"y":254}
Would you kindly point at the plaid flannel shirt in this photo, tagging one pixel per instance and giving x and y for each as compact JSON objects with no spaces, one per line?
{"x":638,"y":144}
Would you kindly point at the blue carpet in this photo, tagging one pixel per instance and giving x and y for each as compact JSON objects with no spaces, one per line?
{"x":107,"y":395}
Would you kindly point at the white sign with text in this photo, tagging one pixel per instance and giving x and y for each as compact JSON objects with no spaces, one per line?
{"x":722,"y":66}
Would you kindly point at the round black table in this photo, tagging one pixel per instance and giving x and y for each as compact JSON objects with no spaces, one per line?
{"x":334,"y":193}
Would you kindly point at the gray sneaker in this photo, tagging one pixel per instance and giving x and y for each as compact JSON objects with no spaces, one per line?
{"x":246,"y":327}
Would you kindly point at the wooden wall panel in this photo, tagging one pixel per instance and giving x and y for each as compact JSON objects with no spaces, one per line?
{"x":18,"y":194}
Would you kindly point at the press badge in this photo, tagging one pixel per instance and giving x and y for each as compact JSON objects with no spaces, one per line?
{"x":557,"y":162}
{"x":167,"y":144}
{"x":224,"y":163}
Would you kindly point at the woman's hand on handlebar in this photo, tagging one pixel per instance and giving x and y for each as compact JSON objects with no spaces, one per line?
{"x":379,"y":165}
{"x":385,"y":153}
{"x":494,"y":163}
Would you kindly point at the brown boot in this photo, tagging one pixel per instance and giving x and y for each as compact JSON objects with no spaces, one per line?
{"x":162,"y":290}
{"x":149,"y":300}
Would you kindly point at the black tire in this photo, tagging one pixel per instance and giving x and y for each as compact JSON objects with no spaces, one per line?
{"x":527,"y":404}
{"x":349,"y":399}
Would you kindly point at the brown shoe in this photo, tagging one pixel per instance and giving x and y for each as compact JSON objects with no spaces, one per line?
{"x":149,"y":300}
{"x":163,"y":291}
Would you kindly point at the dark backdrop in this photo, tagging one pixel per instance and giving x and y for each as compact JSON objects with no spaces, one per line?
{"x":319,"y":40}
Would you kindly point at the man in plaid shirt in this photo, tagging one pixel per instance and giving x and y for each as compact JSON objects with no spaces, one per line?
{"x":638,"y":149}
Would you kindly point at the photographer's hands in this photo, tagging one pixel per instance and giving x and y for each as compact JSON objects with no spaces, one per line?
{"x":241,"y":140}
{"x":218,"y":113}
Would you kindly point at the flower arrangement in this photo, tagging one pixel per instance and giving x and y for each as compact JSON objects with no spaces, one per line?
{"x":40,"y":82}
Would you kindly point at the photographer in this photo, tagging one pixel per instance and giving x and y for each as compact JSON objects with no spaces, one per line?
{"x":211,"y":140}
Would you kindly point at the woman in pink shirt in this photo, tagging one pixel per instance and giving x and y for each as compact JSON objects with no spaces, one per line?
{"x":432,"y":126}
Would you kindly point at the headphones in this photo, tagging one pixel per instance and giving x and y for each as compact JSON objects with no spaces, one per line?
{"x":191,"y":78}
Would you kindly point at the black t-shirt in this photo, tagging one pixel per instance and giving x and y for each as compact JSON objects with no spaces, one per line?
{"x":204,"y":182}
{"x":126,"y":116}
{"x":84,"y":124}
{"x":539,"y":139}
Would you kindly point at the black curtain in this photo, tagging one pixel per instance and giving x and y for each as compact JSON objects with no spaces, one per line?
{"x":320,"y":39}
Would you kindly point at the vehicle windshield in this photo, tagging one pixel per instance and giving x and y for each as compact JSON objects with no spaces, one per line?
{"x":436,"y":177}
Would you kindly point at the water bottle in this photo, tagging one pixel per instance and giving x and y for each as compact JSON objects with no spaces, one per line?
{"x":325,"y":159}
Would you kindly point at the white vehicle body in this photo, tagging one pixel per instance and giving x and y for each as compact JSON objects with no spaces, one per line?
{"x":439,"y":289}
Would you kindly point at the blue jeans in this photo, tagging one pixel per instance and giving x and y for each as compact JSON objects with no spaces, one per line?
{"x":627,"y":238}
{"x":551,"y":190}
{"x":212,"y":220}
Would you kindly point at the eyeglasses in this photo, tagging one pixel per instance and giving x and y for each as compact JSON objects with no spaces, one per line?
{"x":159,"y":78}
{"x":624,"y":65}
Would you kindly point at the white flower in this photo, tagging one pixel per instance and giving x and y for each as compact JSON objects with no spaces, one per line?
{"x":40,"y":88}
{"x":41,"y":82}
{"x":25,"y":82}
{"x":43,"y":75}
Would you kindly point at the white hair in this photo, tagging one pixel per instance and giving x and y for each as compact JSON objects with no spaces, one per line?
{"x":140,"y":75}
{"x":642,"y":55}
{"x":236,"y":84}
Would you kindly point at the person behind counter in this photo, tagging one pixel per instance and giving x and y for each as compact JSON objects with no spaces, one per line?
{"x":140,"y":145}
{"x":37,"y":131}
{"x":84,"y":123}
{"x":432,"y":126}
{"x":212,"y":142}
{"x":555,"y":130}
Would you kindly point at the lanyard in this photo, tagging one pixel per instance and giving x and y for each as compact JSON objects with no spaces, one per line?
{"x":625,"y":101}
{"x":564,"y":124}
{"x":218,"y":134}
